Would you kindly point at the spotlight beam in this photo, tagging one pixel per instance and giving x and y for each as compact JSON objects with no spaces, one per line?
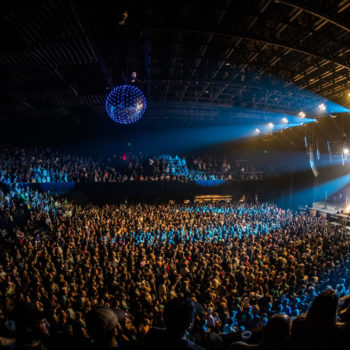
{"x":318,"y":193}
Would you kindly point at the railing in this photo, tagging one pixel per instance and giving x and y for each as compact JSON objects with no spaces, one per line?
{"x":232,"y":175}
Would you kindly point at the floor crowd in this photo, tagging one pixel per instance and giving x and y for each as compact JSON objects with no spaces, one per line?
{"x":240,"y":266}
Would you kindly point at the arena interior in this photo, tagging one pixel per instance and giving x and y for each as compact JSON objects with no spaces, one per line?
{"x":175,"y":174}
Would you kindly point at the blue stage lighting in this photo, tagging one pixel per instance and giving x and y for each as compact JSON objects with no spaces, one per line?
{"x":126,"y":104}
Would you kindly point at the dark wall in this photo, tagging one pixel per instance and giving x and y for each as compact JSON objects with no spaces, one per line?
{"x":278,"y":189}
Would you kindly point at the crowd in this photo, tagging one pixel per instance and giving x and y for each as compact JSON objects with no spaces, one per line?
{"x":209,"y":273}
{"x":19,"y":165}
{"x":213,"y":163}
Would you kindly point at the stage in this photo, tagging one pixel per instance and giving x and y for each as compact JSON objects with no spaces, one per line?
{"x":336,"y":213}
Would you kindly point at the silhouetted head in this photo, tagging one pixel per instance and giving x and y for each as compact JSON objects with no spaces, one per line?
{"x":101,"y":323}
{"x":31,"y":323}
{"x":323,"y":311}
{"x":179,"y":315}
{"x":278,"y":329}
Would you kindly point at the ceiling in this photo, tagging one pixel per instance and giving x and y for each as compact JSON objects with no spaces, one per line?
{"x":59,"y":59}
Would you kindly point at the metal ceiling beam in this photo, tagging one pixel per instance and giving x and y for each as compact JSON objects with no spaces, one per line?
{"x":204,"y":48}
{"x":231,"y":50}
{"x":252,"y":37}
{"x":295,"y":92}
{"x":315,"y":13}
{"x":147,"y":51}
{"x":206,"y":45}
{"x":99,"y":58}
{"x":256,"y":54}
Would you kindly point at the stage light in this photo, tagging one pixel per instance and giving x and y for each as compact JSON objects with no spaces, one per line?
{"x":322,"y":107}
{"x":346,"y":150}
{"x":302,"y":114}
{"x":284,"y":120}
{"x":270,"y":125}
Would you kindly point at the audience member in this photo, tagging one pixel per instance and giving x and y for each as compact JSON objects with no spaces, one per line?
{"x":240,"y":263}
{"x":101,"y":323}
{"x":31,"y":327}
{"x":179,"y":316}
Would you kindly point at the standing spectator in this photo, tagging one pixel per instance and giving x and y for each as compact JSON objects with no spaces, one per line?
{"x":31,"y":327}
{"x":179,"y":316}
{"x":102,"y":325}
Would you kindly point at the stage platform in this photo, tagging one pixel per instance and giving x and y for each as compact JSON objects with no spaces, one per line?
{"x":336,"y":213}
{"x":327,"y":208}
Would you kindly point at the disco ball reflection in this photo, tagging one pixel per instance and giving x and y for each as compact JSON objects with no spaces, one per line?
{"x":126,"y":104}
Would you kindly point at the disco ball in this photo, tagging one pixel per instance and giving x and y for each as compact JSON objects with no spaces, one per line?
{"x":126,"y":104}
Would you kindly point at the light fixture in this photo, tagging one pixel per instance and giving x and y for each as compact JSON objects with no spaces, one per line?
{"x":346,"y":150}
{"x":302,"y":114}
{"x":349,"y":94}
{"x":257,"y":131}
{"x":284,"y":120}
{"x":322,"y":107}
{"x":270,"y":125}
